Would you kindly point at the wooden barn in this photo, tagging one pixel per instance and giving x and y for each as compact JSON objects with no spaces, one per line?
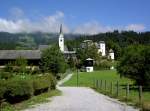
{"x":32,"y":56}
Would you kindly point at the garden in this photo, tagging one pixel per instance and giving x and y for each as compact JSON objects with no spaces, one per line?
{"x":23,"y":85}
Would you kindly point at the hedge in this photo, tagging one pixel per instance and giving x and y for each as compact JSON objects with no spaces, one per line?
{"x":16,"y":90}
{"x":41,"y":84}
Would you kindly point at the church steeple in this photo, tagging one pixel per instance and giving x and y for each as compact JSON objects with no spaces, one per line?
{"x":61,"y":29}
{"x":61,"y":39}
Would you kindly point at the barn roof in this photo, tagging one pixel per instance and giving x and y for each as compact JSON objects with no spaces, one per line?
{"x":13,"y":54}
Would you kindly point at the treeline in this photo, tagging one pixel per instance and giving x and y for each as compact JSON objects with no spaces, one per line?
{"x":10,"y":41}
{"x":114,"y":40}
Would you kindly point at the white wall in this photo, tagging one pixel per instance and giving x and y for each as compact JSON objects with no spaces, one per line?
{"x":61,"y":42}
{"x":89,"y":69}
{"x":111,"y":55}
{"x":102,"y":49}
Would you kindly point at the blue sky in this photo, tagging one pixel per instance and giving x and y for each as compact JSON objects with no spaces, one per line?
{"x":77,"y":16}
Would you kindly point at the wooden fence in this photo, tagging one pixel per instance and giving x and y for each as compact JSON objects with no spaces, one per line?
{"x":114,"y":88}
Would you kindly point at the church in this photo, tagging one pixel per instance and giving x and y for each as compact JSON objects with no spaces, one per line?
{"x":62,"y":46}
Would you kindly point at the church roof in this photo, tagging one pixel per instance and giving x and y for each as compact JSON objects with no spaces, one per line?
{"x":13,"y":54}
{"x":111,"y":51}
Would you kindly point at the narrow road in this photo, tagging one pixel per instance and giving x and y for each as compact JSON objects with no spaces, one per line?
{"x":81,"y":99}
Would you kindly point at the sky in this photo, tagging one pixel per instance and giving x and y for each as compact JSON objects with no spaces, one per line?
{"x":77,"y":16}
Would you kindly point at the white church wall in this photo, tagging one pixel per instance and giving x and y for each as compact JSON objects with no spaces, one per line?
{"x":102,"y":48}
{"x":61,"y":42}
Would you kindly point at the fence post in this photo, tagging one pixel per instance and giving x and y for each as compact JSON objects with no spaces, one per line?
{"x":127,"y":91}
{"x":105,"y":85}
{"x":117,"y":85}
{"x":140,"y":95}
{"x":101,"y":84}
{"x":111,"y":88}
{"x":96,"y":84}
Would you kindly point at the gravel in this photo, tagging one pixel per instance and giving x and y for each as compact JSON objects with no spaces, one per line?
{"x":81,"y":99}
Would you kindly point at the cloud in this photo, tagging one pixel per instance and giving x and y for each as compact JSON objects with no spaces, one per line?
{"x":95,"y":27}
{"x":135,"y":27}
{"x":45,"y":24}
{"x":52,"y":23}
{"x":92,"y":28}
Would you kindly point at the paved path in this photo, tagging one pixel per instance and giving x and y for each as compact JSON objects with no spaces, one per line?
{"x":81,"y":99}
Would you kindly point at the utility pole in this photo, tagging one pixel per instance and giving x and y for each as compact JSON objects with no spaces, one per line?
{"x":77,"y":77}
{"x":77,"y":66}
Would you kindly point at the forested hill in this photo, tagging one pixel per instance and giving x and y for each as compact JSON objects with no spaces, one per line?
{"x":28,"y":40}
{"x":114,"y":40}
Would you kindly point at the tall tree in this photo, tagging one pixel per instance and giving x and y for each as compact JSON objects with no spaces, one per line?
{"x":53,"y":61}
{"x":135,"y":64}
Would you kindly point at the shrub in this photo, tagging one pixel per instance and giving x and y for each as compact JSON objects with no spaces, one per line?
{"x":53,"y":81}
{"x":2,"y":90}
{"x":43,"y":83}
{"x":103,"y":64}
{"x":8,"y":67}
{"x":18,"y":90}
{"x":6,"y":107}
{"x":40,"y":85}
{"x":5,"y":75}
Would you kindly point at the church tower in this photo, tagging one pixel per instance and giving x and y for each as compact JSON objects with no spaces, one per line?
{"x":61,"y":39}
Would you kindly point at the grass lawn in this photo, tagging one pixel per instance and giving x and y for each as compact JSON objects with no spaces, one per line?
{"x":87,"y":79}
{"x":32,"y":101}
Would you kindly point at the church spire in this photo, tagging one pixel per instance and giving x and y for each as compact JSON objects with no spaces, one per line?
{"x":61,"y":39}
{"x":61,"y":29}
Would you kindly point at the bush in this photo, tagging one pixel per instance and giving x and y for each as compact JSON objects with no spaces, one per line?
{"x":5,"y":75}
{"x":6,"y":107}
{"x":53,"y":81}
{"x":103,"y":64}
{"x":2,"y":90}
{"x":18,"y":90}
{"x":8,"y":67}
{"x":43,"y":83}
{"x":40,"y":85}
